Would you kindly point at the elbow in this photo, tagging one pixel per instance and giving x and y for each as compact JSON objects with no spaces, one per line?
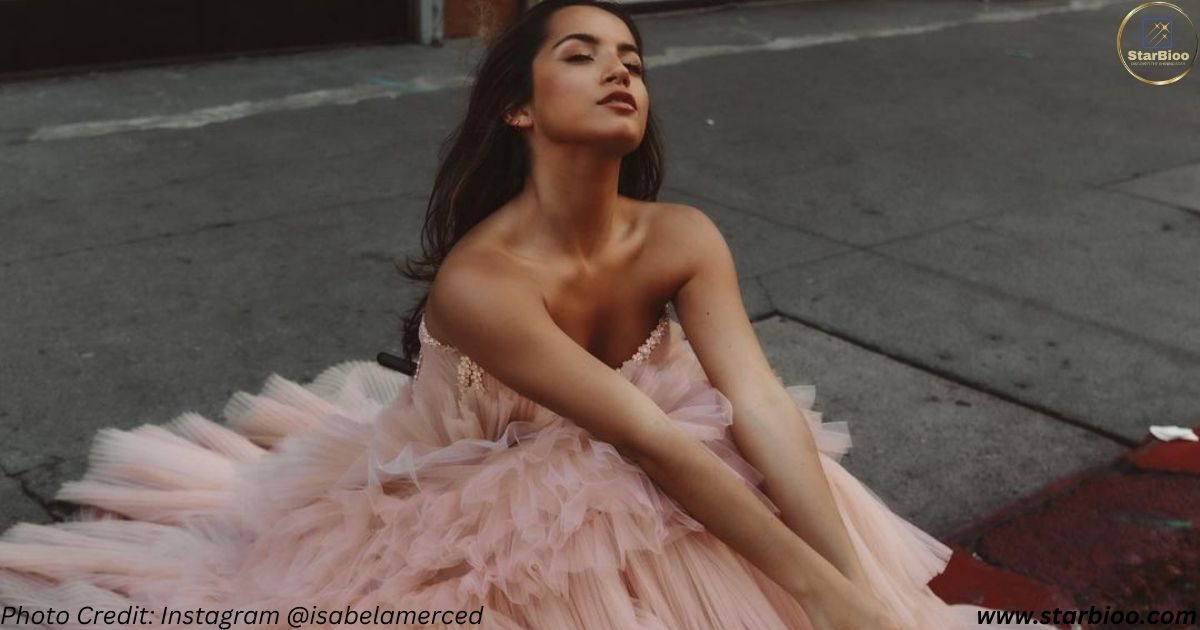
{"x":775,"y":422}
{"x":762,"y":395}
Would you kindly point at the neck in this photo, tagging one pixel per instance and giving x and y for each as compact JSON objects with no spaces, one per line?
{"x":571,"y":200}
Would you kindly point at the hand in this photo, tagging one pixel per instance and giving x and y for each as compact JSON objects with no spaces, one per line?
{"x":842,"y":605}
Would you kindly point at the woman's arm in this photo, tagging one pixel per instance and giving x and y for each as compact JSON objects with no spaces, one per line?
{"x":503,"y":325}
{"x":768,"y":427}
{"x":775,"y":438}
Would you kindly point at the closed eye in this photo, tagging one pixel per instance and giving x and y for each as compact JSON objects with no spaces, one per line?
{"x":633,"y":67}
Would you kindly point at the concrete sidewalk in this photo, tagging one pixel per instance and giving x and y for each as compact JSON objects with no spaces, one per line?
{"x":963,"y":222}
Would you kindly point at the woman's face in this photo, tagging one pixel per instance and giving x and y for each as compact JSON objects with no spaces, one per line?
{"x":588,"y":54}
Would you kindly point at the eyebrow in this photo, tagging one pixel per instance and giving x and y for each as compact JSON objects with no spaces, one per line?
{"x":591,"y":39}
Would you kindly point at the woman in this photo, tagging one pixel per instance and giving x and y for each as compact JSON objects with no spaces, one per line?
{"x":550,"y":461}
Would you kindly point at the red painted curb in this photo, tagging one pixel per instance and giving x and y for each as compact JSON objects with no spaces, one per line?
{"x":968,"y":580}
{"x":1174,"y":456}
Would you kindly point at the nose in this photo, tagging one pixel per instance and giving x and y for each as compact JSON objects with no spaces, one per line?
{"x":620,"y":73}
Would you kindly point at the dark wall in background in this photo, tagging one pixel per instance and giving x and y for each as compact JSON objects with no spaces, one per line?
{"x":39,"y":37}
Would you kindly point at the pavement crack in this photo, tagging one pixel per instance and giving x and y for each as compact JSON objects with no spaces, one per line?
{"x":767,"y":292}
{"x":1168,"y":349}
{"x":1191,"y":212}
{"x":955,"y":378}
{"x":27,"y":488}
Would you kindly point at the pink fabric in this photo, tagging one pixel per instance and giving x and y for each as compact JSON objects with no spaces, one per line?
{"x":367,"y":488}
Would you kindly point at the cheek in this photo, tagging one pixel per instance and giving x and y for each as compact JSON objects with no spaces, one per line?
{"x":563,"y":99}
{"x":556,"y":92}
{"x":572,"y":89}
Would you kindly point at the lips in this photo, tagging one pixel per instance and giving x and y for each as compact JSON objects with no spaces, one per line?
{"x":621,"y":97}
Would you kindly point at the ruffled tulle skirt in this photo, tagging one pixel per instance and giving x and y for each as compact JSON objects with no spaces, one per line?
{"x":363,"y":491}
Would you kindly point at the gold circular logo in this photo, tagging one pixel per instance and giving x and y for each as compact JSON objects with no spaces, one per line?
{"x":1160,"y":44}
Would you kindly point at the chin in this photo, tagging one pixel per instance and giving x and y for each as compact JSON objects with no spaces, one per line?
{"x":624,"y":141}
{"x":621,"y":146}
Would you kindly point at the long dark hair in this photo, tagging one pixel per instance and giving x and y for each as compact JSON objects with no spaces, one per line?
{"x":483,"y":163}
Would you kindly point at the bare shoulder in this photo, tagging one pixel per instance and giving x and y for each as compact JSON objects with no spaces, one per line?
{"x":471,"y":284}
{"x":680,"y":219}
{"x":687,"y":233}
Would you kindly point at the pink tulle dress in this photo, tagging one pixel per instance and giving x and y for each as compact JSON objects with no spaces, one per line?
{"x":369,"y":490}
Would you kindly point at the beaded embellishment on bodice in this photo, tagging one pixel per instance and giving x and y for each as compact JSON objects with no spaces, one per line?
{"x":470,"y":374}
